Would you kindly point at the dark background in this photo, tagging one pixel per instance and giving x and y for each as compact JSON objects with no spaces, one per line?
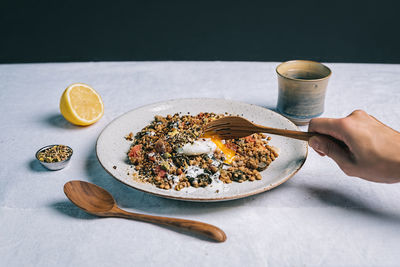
{"x":330,"y":31}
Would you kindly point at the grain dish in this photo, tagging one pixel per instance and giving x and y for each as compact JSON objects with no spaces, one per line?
{"x":172,"y":152}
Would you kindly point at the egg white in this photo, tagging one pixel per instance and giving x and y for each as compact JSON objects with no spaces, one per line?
{"x":199,"y":147}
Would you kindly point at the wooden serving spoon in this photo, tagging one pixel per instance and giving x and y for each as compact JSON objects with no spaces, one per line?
{"x":97,"y":201}
{"x":232,"y":127}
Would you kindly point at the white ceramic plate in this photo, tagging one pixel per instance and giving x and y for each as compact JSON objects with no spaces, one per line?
{"x":112,"y":148}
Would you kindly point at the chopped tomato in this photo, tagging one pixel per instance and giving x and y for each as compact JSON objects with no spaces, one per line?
{"x":135,"y":151}
{"x":249,"y":139}
{"x":160,"y":172}
{"x":231,"y":146}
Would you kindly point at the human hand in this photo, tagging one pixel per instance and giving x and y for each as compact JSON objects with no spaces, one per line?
{"x":370,"y":149}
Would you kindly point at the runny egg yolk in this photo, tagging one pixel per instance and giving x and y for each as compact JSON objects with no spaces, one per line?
{"x":229,"y":153}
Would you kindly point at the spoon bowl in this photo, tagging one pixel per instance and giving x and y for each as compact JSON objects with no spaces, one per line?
{"x":97,"y":201}
{"x":89,"y":197}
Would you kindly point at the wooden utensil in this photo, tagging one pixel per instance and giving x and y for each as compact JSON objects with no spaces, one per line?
{"x":97,"y":201}
{"x":232,"y":127}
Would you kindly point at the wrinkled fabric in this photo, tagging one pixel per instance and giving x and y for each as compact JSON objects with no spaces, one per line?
{"x":320,"y":217}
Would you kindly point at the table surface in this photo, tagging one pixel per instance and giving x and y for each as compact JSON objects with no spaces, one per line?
{"x":320,"y":217}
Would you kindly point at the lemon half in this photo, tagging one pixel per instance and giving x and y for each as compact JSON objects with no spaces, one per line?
{"x":81,"y":105}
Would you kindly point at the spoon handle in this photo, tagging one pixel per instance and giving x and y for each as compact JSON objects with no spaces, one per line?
{"x":305,"y":136}
{"x":201,"y":228}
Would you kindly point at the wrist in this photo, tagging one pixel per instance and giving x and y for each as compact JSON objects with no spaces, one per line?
{"x":393,"y":168}
{"x":396,"y":168}
{"x":387,"y":159}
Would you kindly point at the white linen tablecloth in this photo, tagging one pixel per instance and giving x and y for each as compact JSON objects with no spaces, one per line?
{"x":320,"y":217}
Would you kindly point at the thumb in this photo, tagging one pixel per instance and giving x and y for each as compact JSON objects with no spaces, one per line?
{"x":326,"y":146}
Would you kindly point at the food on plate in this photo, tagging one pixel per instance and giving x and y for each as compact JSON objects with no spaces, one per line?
{"x":54,"y":153}
{"x":173,"y":152}
{"x":81,"y":105}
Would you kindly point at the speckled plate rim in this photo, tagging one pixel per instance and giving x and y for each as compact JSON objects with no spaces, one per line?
{"x":215,"y":199}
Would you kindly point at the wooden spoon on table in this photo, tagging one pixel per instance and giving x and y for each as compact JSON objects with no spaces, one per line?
{"x":232,"y":127}
{"x":97,"y":201}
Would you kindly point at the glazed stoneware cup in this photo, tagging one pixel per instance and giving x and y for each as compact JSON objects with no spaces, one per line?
{"x":302,"y":86}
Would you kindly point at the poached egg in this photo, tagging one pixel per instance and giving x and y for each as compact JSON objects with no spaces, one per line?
{"x":206,"y":145}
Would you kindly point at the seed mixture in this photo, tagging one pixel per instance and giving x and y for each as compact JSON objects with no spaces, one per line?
{"x":55,"y":153}
{"x":156,"y":153}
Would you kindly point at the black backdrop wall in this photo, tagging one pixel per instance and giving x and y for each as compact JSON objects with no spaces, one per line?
{"x":334,"y":31}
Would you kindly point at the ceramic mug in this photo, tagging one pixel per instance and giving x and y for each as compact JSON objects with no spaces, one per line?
{"x":302,"y":86}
